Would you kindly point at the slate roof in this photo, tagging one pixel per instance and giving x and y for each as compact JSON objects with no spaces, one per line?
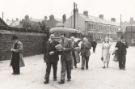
{"x":98,"y":20}
{"x":2,"y":23}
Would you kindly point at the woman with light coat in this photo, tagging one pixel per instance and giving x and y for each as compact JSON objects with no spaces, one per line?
{"x":106,"y":53}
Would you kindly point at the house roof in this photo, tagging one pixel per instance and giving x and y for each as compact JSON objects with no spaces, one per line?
{"x":98,"y":20}
{"x":35,"y":20}
{"x":2,"y":23}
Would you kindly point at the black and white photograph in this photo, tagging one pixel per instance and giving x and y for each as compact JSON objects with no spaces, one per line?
{"x":67,"y":44}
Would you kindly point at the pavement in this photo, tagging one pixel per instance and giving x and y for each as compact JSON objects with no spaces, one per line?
{"x":32,"y":75}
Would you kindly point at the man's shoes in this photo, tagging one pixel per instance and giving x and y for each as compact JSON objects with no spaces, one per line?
{"x":82,"y":68}
{"x":120,"y":68}
{"x":104,"y":67}
{"x":123,"y":68}
{"x":61,"y":82}
{"x":15,"y":73}
{"x":69,"y":80}
{"x":75,"y":66}
{"x":46,"y":82}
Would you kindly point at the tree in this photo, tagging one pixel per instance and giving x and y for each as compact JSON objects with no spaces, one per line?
{"x":26,"y":23}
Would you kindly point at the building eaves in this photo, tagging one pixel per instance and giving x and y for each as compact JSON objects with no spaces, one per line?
{"x":98,"y":20}
{"x":2,"y":23}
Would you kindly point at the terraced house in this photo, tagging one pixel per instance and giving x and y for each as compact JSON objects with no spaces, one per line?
{"x":97,"y":27}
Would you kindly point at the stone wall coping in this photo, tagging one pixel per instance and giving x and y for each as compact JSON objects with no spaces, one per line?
{"x":21,"y":33}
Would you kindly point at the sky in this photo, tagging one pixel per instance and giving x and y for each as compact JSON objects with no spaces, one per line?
{"x":39,"y":8}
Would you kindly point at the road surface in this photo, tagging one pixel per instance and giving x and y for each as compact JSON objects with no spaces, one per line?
{"x":32,"y":75}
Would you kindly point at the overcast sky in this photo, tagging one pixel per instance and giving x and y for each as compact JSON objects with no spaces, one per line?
{"x":40,"y":8}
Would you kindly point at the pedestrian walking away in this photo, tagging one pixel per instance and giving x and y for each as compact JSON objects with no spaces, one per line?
{"x":16,"y":55}
{"x":85,"y":52}
{"x":94,"y":44}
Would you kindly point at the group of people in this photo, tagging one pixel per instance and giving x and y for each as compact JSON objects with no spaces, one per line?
{"x":68,"y":51}
{"x":119,"y":52}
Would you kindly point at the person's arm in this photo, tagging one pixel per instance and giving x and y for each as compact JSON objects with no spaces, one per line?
{"x":57,"y":51}
{"x":68,"y":47}
{"x":46,"y":51}
{"x":117,"y":44}
{"x":126,"y":45}
{"x":20,"y":47}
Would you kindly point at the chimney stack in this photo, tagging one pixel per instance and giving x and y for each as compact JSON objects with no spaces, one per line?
{"x":51,"y":17}
{"x":45,"y":18}
{"x":85,"y":13}
{"x":131,"y":20}
{"x":101,"y":16}
{"x":113,"y":20}
{"x":64,"y":18}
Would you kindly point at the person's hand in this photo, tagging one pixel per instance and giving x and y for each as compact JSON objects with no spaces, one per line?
{"x":64,"y":49}
{"x":52,"y":52}
{"x":12,"y":49}
{"x":116,"y":48}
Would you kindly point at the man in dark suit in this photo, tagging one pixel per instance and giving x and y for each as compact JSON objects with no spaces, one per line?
{"x":66,"y":59}
{"x":121,"y":52}
{"x":51,"y":57}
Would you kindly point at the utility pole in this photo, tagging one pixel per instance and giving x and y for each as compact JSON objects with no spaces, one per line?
{"x":131,"y":32}
{"x":74,"y":13}
{"x":121,"y":23}
{"x":2,"y":16}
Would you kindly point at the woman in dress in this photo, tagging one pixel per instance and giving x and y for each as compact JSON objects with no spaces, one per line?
{"x":106,"y":52}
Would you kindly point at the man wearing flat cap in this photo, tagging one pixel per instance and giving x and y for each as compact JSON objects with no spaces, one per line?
{"x":51,"y":57}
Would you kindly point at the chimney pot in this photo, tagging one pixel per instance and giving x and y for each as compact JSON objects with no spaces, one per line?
{"x":85,"y":13}
{"x":101,"y":16}
{"x":113,"y":20}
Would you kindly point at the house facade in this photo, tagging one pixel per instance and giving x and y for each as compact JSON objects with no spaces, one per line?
{"x":129,"y":35}
{"x":97,"y":27}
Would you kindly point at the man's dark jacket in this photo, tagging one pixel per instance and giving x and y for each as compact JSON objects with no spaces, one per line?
{"x":121,"y":48}
{"x":50,"y":46}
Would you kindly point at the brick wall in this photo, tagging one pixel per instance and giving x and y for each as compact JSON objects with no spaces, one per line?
{"x":33,"y":43}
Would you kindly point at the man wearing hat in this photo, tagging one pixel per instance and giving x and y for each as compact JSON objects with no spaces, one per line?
{"x":121,"y":52}
{"x":66,"y":59}
{"x":17,"y":55}
{"x":51,"y":57}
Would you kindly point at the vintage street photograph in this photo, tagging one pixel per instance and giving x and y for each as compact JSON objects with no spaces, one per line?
{"x":67,"y":44}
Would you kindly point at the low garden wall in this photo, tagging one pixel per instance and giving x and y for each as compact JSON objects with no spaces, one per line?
{"x":33,"y":43}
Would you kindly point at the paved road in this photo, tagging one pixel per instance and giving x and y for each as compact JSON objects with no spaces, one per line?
{"x":32,"y":75}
